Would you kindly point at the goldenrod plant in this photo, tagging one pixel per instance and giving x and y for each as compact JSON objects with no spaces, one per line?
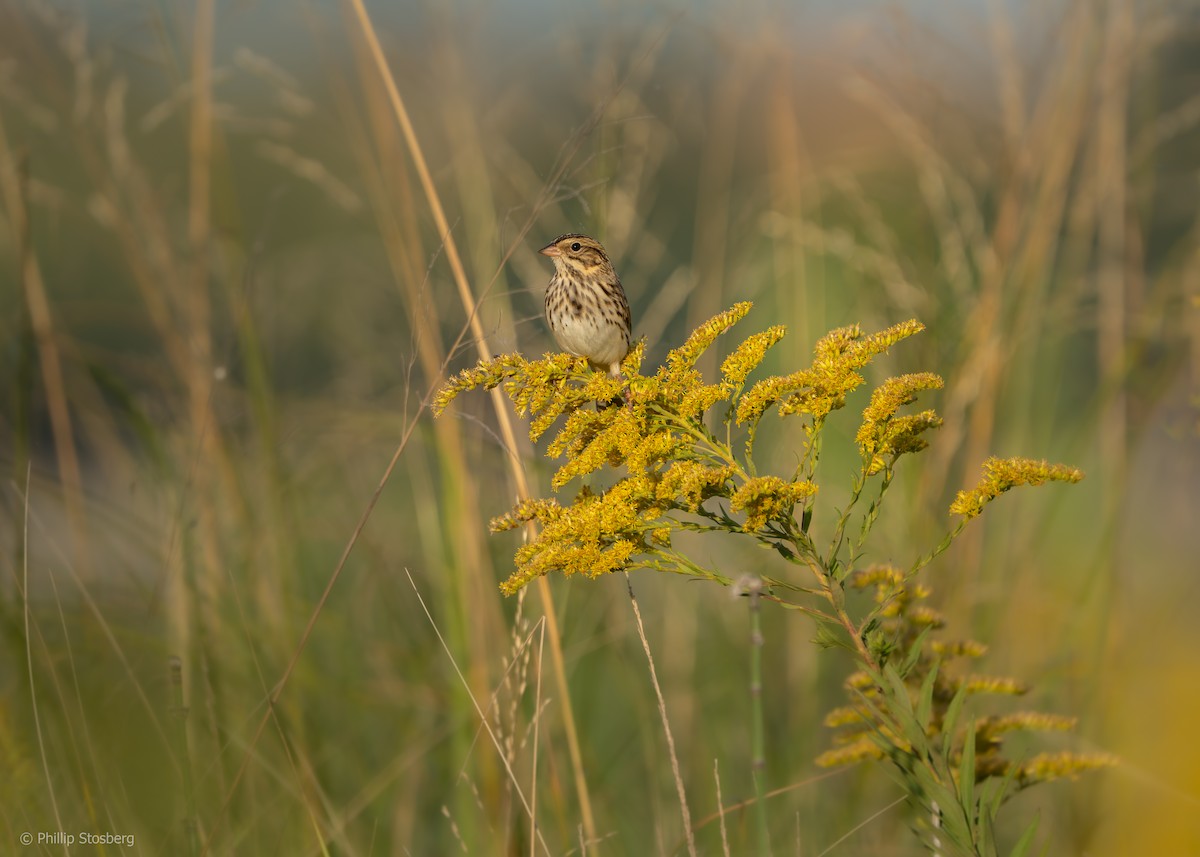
{"x":675,"y":469}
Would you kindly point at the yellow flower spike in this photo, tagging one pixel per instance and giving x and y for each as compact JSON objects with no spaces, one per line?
{"x":902,"y":436}
{"x":618,"y":438}
{"x":846,"y":715}
{"x":444,"y":396}
{"x":486,"y":374}
{"x":886,"y":400}
{"x":596,"y":535}
{"x":1053,"y":766}
{"x":541,"y":510}
{"x":862,"y":351}
{"x":764,"y":498}
{"x":838,"y":356}
{"x":747,"y":356}
{"x":991,"y":728}
{"x":674,"y":386}
{"x":958,"y":649}
{"x":581,"y":423}
{"x":653,"y":450}
{"x":601,"y":387}
{"x":828,"y":394}
{"x":1003,"y":474}
{"x":692,"y":483}
{"x":685,"y":356}
{"x":860,"y":750}
{"x":833,"y":345}
{"x":925,"y":617}
{"x":632,"y":364}
{"x":700,"y":398}
{"x":1001,"y":685}
{"x":887,"y":577}
{"x":541,"y":424}
{"x":859,"y":681}
{"x":531,"y":385}
{"x":643,"y":390}
{"x":755,"y":401}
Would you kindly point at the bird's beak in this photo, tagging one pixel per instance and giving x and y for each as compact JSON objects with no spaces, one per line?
{"x":550,"y":250}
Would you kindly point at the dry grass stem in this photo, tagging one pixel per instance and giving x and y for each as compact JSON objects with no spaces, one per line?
{"x":666,"y":723}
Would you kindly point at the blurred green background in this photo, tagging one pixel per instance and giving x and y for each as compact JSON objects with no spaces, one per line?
{"x":226,"y":295}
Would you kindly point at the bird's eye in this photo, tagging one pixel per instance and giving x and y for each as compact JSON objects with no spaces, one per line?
{"x":575,"y":247}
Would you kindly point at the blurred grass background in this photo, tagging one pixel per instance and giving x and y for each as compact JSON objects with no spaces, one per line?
{"x":225,"y":296}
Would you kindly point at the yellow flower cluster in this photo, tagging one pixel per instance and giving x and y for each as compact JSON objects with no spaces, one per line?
{"x":654,"y":429}
{"x":823,"y":388}
{"x":596,"y":534}
{"x":487,"y":374}
{"x":1053,"y":766}
{"x":990,"y":728}
{"x":1001,"y":685}
{"x":610,"y":436}
{"x":906,"y":621}
{"x":651,"y":426}
{"x":897,"y":597}
{"x":1044,"y":767}
{"x":861,"y":748}
{"x":947,"y":649}
{"x":747,"y":356}
{"x":666,"y":461}
{"x":1004,"y":474}
{"x":862,"y":737}
{"x":684,"y":358}
{"x":766,"y":498}
{"x":693,"y":482}
{"x":883,"y":436}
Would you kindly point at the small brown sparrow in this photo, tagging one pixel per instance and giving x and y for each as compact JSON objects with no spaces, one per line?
{"x":585,"y":304}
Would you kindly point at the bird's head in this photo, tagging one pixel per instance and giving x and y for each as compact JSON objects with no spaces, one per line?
{"x":576,"y":253}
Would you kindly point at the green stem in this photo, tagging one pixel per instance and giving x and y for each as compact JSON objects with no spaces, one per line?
{"x":807,"y":466}
{"x":872,"y":514}
{"x":832,"y":591}
{"x":704,"y":439}
{"x":758,"y":740}
{"x":679,"y":564}
{"x":839,"y":533}
{"x":939,"y":550}
{"x":179,"y":710}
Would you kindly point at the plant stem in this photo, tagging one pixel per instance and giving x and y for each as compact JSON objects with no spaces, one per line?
{"x":180,"y":711}
{"x":758,"y":741}
{"x":662,"y":712}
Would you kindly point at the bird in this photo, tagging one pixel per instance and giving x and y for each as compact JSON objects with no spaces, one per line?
{"x":586,"y":307}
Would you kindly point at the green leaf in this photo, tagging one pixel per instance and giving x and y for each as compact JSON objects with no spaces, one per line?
{"x":987,"y":833}
{"x":900,"y":704}
{"x":950,"y":720}
{"x":914,"y":652}
{"x":925,"y":700}
{"x":894,"y":684}
{"x":966,"y":769}
{"x":783,"y":550}
{"x":1001,"y":793}
{"x":828,"y":638}
{"x":1026,"y":841}
{"x":954,"y":824}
